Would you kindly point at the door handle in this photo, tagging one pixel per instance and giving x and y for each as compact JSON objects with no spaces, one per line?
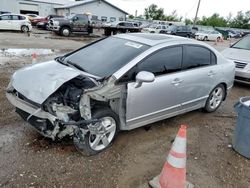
{"x":211,"y":73}
{"x":176,"y":81}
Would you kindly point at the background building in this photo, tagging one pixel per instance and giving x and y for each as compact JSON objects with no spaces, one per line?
{"x":99,"y":9}
{"x":39,"y":7}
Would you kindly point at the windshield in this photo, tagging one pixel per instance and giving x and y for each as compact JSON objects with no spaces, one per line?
{"x":105,"y":57}
{"x":243,"y":43}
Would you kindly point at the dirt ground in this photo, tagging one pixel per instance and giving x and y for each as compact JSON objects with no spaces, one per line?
{"x":29,"y":160}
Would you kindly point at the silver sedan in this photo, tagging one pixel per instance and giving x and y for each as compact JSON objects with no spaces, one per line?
{"x":119,"y":83}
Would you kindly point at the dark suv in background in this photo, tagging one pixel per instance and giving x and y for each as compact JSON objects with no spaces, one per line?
{"x":76,"y":23}
{"x":183,"y":31}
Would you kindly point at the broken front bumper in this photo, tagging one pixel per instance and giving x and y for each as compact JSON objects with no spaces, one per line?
{"x":44,"y":122}
{"x":29,"y":108}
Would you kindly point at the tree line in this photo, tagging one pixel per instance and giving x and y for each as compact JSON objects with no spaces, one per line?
{"x":241,"y":20}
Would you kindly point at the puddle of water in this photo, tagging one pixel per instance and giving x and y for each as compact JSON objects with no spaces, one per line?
{"x":25,"y":52}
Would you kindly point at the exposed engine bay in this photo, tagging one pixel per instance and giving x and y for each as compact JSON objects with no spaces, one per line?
{"x":64,"y":103}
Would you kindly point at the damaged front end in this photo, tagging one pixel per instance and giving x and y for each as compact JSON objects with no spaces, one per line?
{"x":48,"y":96}
{"x":58,"y":100}
{"x":59,"y":115}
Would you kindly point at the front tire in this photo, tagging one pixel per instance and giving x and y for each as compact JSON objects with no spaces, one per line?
{"x":65,"y":31}
{"x":93,"y":143}
{"x":215,"y":98}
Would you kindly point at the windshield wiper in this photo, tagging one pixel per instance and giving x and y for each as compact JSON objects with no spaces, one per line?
{"x":76,"y":66}
{"x":239,"y":48}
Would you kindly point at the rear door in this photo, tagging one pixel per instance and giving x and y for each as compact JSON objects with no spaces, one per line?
{"x":5,"y":22}
{"x":15,"y":22}
{"x":198,"y":76}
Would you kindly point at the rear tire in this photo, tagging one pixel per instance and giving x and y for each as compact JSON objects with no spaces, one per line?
{"x":92,"y":144}
{"x":205,"y":38}
{"x":215,"y":98}
{"x":25,"y":29}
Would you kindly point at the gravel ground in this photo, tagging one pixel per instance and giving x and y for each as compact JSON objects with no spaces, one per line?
{"x":30,"y":160}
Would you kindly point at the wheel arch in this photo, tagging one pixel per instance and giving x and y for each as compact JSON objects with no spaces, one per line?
{"x":225,"y":87}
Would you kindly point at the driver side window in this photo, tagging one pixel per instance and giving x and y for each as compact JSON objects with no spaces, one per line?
{"x":162,"y":62}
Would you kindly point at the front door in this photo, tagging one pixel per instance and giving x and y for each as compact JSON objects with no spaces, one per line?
{"x":80,"y":23}
{"x":155,"y":101}
{"x":5,"y":22}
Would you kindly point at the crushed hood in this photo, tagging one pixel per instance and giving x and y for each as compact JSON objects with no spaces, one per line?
{"x":237,"y":54}
{"x":37,"y":82}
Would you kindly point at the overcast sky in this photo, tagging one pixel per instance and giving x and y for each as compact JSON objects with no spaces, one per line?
{"x":185,"y":8}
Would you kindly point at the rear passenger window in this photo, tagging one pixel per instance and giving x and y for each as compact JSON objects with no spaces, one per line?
{"x":196,"y":56}
{"x":14,"y":17}
{"x":165,"y":61}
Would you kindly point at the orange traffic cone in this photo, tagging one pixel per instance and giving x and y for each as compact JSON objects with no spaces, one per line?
{"x":173,"y":174}
{"x":34,"y":58}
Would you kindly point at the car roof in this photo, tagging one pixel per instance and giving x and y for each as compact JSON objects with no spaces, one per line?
{"x":10,"y":14}
{"x":153,"y":39}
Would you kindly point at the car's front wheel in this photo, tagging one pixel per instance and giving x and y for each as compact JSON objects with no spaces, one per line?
{"x":101,"y":135}
{"x":215,"y":98}
{"x":65,"y":31}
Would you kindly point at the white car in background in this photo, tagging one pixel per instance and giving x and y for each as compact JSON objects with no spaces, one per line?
{"x":15,"y":22}
{"x":156,"y":29}
{"x":208,"y":35}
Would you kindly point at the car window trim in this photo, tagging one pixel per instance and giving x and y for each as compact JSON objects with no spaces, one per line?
{"x":167,"y":47}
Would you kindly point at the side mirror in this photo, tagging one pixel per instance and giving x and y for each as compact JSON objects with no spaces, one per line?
{"x":143,"y":76}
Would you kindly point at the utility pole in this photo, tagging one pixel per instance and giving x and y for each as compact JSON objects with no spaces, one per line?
{"x":195,"y":19}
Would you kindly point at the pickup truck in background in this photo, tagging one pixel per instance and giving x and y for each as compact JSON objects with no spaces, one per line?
{"x":76,"y":23}
{"x":120,"y":27}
